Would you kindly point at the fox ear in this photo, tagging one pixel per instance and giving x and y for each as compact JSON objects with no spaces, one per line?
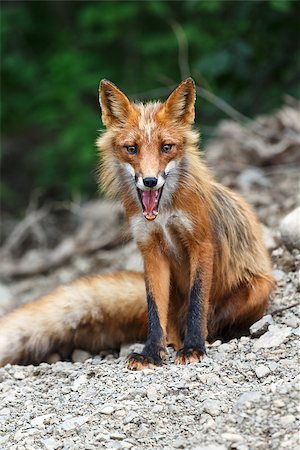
{"x":180,"y":105}
{"x":114,"y":104}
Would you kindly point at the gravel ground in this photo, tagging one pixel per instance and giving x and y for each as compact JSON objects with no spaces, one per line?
{"x":240,"y":397}
{"x":244,"y":395}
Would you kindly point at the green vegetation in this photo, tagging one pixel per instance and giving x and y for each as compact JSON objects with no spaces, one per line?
{"x":54,"y":53}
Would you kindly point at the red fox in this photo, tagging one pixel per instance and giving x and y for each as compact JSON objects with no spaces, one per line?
{"x":207,"y":273}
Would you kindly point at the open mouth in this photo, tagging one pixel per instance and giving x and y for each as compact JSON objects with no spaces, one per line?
{"x":150,"y":202}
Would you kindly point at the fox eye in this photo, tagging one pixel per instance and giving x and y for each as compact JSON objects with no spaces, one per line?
{"x":131,"y":149}
{"x":166,"y":148}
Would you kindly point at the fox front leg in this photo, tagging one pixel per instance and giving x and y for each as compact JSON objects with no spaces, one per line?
{"x":157,"y":278}
{"x":196,"y":326}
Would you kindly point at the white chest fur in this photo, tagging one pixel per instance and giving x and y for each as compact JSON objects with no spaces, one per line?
{"x":142,"y":229}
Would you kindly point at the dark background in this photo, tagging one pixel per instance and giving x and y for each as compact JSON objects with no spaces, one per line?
{"x":54,"y":53}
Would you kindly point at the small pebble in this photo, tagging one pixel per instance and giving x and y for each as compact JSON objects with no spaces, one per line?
{"x":82,"y":379}
{"x":262,"y":371}
{"x":212,"y":407}
{"x":261,"y":326}
{"x":131,"y":417}
{"x":232,"y":437}
{"x":157,"y":408}
{"x":19,"y":375}
{"x":51,"y":443}
{"x":276,"y":336}
{"x":73,"y":422}
{"x":39,"y":421}
{"x":152,"y":393}
{"x":107,"y":409}
{"x":249,"y":397}
{"x":287,"y":420}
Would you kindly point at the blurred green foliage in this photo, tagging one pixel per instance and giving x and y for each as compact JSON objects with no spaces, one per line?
{"x":53,"y":54}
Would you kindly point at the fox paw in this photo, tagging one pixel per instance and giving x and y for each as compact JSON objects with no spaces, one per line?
{"x":189,"y":355}
{"x":137,"y":361}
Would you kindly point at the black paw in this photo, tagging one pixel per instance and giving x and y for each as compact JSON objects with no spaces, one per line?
{"x":138,"y":361}
{"x":189,"y":355}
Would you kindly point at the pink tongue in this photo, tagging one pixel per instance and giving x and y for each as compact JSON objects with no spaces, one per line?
{"x":149,"y":199}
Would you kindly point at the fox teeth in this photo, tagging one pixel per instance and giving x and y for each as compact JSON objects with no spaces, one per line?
{"x":153,"y":212}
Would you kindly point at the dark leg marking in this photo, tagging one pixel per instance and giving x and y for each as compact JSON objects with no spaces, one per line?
{"x":153,"y":350}
{"x":194,"y":342}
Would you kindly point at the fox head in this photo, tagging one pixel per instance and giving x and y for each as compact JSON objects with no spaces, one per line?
{"x":144,"y":145}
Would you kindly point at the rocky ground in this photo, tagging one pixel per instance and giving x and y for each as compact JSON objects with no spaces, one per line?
{"x":244,"y":395}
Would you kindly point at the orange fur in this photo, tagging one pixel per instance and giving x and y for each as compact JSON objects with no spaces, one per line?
{"x":92,"y":313}
{"x":217,"y":233}
{"x":203,"y":231}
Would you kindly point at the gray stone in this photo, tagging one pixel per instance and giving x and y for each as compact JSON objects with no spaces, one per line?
{"x":131,"y":417}
{"x":232,"y":437}
{"x":19,"y":375}
{"x":212,"y":407}
{"x":39,"y":420}
{"x":262,"y":371}
{"x":107,"y":410}
{"x":290,"y":229}
{"x":179,"y":443}
{"x":227,"y":347}
{"x":152,"y":393}
{"x":114,"y":444}
{"x":51,"y":443}
{"x":292,"y":322}
{"x":157,"y":408}
{"x":287,"y":420}
{"x":249,"y":397}
{"x":82,"y":379}
{"x":272,"y":365}
{"x":273,"y":338}
{"x":125,"y":444}
{"x":117,"y":436}
{"x":296,"y":332}
{"x":261,"y":326}
{"x":73,"y":422}
{"x":250,"y":356}
{"x":103,"y":436}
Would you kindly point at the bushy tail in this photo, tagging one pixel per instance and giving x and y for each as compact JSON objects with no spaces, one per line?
{"x":93,"y":313}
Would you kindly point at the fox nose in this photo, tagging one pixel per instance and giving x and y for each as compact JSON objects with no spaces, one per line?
{"x":150,"y":182}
